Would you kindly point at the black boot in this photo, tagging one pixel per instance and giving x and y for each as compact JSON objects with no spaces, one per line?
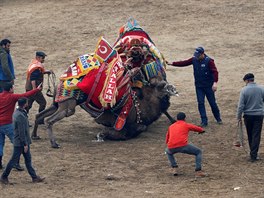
{"x":18,"y":167}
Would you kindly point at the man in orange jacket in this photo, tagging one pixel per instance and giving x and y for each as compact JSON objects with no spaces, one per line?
{"x":35,"y":77}
{"x":177,"y":142}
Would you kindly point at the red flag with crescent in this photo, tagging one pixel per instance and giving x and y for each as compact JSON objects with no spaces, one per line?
{"x":103,"y":50}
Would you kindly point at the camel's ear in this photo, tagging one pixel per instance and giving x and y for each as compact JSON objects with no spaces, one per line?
{"x":156,"y":81}
{"x":161,"y":84}
{"x":153,"y":82}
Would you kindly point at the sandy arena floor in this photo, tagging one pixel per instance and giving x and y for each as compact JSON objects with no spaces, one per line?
{"x":232,"y":33}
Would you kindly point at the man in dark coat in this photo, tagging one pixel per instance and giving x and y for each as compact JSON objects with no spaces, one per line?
{"x":206,"y":78}
{"x":22,"y":143}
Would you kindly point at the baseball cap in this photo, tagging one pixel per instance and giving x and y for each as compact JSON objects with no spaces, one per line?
{"x":248,"y":76}
{"x":198,"y":51}
{"x":41,"y":54}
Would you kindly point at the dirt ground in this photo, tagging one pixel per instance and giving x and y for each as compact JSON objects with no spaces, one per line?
{"x":232,"y":32}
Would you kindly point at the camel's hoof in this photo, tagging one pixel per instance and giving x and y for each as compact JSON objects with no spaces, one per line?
{"x":35,"y":137}
{"x":100,"y":137}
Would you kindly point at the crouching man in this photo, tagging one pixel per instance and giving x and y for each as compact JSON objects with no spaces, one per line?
{"x":177,"y":142}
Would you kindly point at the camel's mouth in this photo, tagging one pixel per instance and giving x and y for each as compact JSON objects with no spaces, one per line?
{"x":171,"y":89}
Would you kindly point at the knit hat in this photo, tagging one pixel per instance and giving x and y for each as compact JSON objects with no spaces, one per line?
{"x":248,"y":76}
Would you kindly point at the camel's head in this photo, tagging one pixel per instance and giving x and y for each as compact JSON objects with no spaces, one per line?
{"x":163,"y":86}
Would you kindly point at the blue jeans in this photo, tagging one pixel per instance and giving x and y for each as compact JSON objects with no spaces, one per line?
{"x":5,"y":130}
{"x":18,"y":150}
{"x":188,"y":149}
{"x":201,"y":92}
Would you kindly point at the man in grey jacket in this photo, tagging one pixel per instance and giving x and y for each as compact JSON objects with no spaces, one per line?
{"x":22,"y":143}
{"x":251,"y":104}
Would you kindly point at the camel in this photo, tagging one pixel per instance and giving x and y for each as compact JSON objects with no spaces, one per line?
{"x":148,"y":105}
{"x":142,"y":93}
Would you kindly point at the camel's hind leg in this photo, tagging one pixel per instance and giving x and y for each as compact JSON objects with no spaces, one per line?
{"x":65,"y":109}
{"x":40,"y":116}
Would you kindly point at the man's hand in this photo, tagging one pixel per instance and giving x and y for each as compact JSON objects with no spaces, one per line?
{"x":202,"y":132}
{"x":214,"y":87}
{"x":48,"y":72}
{"x":168,"y":63}
{"x":25,"y":148}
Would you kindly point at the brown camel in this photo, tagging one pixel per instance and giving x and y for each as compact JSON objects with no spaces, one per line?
{"x":148,"y":105}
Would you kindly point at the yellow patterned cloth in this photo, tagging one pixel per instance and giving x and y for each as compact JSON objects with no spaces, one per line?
{"x":81,"y":67}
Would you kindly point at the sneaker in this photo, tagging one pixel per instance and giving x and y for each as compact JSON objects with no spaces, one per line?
{"x":4,"y":180}
{"x":200,"y":174}
{"x":174,"y":171}
{"x":38,"y":179}
{"x":203,"y":125}
{"x":254,"y":159}
{"x":219,"y":122}
{"x":35,"y":137}
{"x":18,"y":167}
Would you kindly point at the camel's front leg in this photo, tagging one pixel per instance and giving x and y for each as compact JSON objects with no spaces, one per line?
{"x":40,"y":116}
{"x":60,"y":114}
{"x":172,"y":120}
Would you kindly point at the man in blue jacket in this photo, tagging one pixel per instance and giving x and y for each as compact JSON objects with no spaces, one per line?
{"x":206,"y":78}
{"x":7,"y":72}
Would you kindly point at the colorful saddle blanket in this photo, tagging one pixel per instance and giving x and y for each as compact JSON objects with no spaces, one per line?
{"x":81,"y":67}
{"x":132,"y":28}
{"x":64,"y":94}
{"x":107,"y":91}
{"x":132,"y":37}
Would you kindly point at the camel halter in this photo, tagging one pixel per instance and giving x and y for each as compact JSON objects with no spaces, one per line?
{"x":51,"y":84}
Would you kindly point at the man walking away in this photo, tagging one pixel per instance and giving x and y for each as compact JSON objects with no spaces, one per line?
{"x":22,"y":143}
{"x":252,"y":106}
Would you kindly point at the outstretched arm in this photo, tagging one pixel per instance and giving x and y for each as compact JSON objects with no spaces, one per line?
{"x":195,"y":128}
{"x":183,"y":63}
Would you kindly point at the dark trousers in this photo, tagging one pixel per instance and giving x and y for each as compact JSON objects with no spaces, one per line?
{"x":253,"y":125}
{"x":18,"y":150}
{"x":40,"y":99}
{"x":201,"y":92}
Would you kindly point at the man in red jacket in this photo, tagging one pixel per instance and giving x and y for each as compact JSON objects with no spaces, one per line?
{"x":177,"y":142}
{"x":7,"y":106}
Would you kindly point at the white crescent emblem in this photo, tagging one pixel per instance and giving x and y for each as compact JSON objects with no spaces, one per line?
{"x":104,"y":49}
